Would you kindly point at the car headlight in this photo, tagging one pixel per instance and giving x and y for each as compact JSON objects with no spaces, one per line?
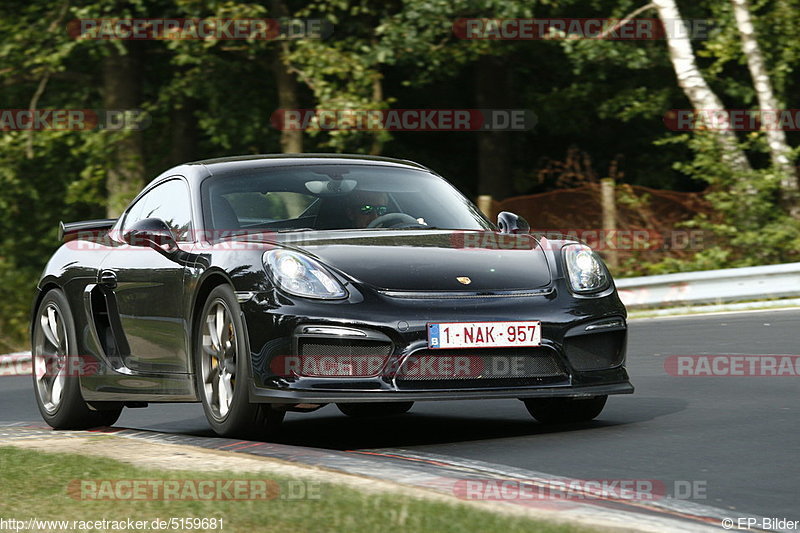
{"x":585,"y":270}
{"x":300,"y":275}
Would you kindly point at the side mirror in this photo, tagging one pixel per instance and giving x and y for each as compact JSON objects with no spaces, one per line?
{"x":152,"y":232}
{"x":511,"y":223}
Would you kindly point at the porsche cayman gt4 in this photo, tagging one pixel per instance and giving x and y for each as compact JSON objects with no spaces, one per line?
{"x":264,"y":284}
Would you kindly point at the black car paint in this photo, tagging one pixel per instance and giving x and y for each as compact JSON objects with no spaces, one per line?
{"x":397,"y":281}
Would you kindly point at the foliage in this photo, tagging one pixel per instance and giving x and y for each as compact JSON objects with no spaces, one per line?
{"x":749,"y":227}
{"x":212,"y":97}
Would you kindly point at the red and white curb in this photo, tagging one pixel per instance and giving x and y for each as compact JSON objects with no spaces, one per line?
{"x":443,"y":474}
{"x":15,"y":364}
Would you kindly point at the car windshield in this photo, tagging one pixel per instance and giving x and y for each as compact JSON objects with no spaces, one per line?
{"x":335,"y":197}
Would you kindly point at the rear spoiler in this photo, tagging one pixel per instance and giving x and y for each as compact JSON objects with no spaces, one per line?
{"x":69,"y":231}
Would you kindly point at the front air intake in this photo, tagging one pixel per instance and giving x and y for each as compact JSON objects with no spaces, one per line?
{"x":480,"y":368}
{"x":320,"y":357}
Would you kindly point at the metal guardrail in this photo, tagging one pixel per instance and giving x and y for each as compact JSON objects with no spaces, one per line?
{"x":711,"y":286}
{"x":668,"y":290}
{"x":15,"y":364}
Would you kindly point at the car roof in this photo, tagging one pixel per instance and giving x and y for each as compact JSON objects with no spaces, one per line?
{"x":255,"y":161}
{"x":198,"y":170}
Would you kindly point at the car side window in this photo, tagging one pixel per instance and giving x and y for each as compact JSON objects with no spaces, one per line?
{"x":168,"y":201}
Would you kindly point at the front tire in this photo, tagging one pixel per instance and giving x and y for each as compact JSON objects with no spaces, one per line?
{"x":555,"y":410}
{"x":222,"y":368}
{"x":362,"y":410}
{"x":57,"y":388}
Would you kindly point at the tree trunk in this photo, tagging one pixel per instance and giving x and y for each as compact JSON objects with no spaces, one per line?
{"x":286,"y":83}
{"x":122,"y":90}
{"x":608,"y":202}
{"x":779,"y":149}
{"x":377,"y":97}
{"x":291,"y":140}
{"x":184,"y":135}
{"x":492,"y":90}
{"x":691,"y":80}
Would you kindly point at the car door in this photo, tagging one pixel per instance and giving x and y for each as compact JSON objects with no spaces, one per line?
{"x":147,"y":287}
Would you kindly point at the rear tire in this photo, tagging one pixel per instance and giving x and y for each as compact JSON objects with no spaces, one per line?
{"x":56,"y":388}
{"x":363,"y":410}
{"x":222,"y":369}
{"x":555,"y":410}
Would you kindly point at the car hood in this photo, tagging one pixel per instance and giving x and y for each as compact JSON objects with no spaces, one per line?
{"x":432,"y":260}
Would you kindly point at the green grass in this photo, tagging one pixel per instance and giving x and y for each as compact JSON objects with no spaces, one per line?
{"x":34,"y":484}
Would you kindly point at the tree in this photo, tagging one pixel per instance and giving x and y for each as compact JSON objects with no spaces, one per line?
{"x":122,"y":91}
{"x":694,"y":85}
{"x":492,"y":90}
{"x":286,"y":83}
{"x":779,"y":149}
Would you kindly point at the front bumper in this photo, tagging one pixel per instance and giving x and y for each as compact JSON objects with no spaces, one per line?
{"x":583,"y":338}
{"x":261,"y":395}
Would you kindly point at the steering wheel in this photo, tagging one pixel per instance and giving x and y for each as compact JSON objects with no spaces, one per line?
{"x":391,"y":220}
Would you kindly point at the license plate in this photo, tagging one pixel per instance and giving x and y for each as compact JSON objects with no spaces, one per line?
{"x":484,"y":334}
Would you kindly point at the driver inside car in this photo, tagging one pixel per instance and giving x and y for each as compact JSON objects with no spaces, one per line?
{"x":365,"y":206}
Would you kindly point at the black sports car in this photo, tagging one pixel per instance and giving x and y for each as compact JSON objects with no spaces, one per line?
{"x":262,"y":284}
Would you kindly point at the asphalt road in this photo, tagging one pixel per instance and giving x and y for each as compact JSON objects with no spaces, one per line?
{"x":739,"y":438}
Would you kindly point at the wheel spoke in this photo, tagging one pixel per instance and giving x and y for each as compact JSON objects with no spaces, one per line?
{"x":220,"y":326}
{"x":58,"y":386}
{"x":52,"y":320}
{"x":212,"y":330}
{"x":225,"y":394}
{"x":50,"y":329}
{"x":209,"y":385}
